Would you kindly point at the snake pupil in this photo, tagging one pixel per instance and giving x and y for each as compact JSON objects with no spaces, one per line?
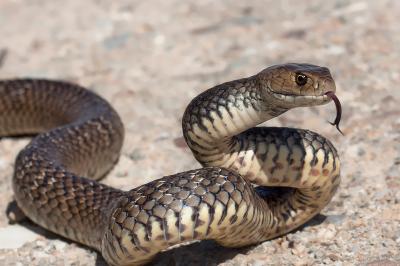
{"x":301,"y":79}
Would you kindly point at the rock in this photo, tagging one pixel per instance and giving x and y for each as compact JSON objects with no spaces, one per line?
{"x":335,"y":219}
{"x":15,"y":236}
{"x":327,"y":234}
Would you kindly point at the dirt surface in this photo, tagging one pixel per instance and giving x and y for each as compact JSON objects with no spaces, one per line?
{"x":150,"y":58}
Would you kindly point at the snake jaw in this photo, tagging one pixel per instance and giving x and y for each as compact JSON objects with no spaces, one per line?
{"x":292,"y":100}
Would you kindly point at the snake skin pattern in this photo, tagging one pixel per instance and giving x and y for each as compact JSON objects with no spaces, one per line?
{"x":80,"y":135}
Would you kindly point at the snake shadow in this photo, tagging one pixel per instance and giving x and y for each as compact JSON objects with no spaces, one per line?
{"x":207,"y":252}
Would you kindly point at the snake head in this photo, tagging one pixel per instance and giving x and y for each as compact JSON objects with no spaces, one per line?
{"x":294,"y":85}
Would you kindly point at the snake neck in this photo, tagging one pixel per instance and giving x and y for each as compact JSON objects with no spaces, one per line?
{"x":213,"y":121}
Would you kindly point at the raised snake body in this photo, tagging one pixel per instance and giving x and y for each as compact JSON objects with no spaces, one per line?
{"x":215,"y":202}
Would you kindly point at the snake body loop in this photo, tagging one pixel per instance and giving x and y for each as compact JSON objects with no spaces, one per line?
{"x":81,"y":136}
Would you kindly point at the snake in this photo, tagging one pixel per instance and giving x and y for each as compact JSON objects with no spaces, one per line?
{"x":256,"y":183}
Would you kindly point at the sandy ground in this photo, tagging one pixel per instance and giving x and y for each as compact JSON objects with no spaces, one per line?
{"x":149,"y":58}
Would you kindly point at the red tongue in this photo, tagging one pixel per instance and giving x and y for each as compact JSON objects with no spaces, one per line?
{"x":332,"y":95}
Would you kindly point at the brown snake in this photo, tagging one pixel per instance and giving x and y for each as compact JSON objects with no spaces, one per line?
{"x":81,"y":136}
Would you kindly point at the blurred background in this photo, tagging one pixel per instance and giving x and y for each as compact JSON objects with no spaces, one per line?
{"x":150,"y":58}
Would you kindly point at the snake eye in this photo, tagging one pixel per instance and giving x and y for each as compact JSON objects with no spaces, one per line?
{"x":301,"y":79}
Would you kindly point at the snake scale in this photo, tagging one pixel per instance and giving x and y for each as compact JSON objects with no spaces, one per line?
{"x":80,"y":135}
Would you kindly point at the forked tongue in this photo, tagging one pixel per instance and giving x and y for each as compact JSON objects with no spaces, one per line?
{"x":334,"y":98}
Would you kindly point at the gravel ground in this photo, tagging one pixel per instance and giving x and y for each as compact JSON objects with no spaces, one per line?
{"x":149,"y":58}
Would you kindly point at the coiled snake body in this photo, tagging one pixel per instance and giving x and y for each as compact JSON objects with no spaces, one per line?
{"x":81,"y":136}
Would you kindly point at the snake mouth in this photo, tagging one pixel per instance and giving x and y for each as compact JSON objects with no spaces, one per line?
{"x":299,"y":100}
